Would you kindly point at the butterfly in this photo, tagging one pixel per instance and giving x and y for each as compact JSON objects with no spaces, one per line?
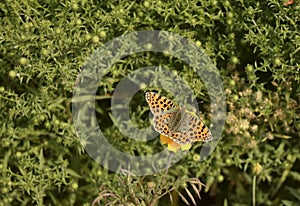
{"x":178,"y":124}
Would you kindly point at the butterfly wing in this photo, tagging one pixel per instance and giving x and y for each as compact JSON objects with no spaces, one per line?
{"x":158,"y":104}
{"x":159,"y":124}
{"x":197,"y":130}
{"x":163,"y":110}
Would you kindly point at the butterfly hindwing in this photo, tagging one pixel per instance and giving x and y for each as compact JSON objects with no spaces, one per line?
{"x":198,"y":130}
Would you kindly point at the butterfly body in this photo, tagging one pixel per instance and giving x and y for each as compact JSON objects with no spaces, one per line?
{"x":174,"y":122}
{"x":177,"y":120}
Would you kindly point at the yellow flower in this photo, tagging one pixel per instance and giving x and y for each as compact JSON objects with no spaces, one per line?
{"x":174,"y":146}
{"x":257,"y":168}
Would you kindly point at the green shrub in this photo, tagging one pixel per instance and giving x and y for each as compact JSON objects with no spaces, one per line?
{"x":254,"y":44}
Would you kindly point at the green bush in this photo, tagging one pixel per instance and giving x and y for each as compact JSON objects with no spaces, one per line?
{"x":254,"y":44}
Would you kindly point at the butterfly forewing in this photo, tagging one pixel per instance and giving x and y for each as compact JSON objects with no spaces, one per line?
{"x":159,"y":104}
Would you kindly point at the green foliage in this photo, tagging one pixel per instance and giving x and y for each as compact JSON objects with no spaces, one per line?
{"x":254,"y":44}
{"x":131,"y":190}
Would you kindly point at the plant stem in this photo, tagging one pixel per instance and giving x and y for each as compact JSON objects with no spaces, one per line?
{"x":253,"y":189}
